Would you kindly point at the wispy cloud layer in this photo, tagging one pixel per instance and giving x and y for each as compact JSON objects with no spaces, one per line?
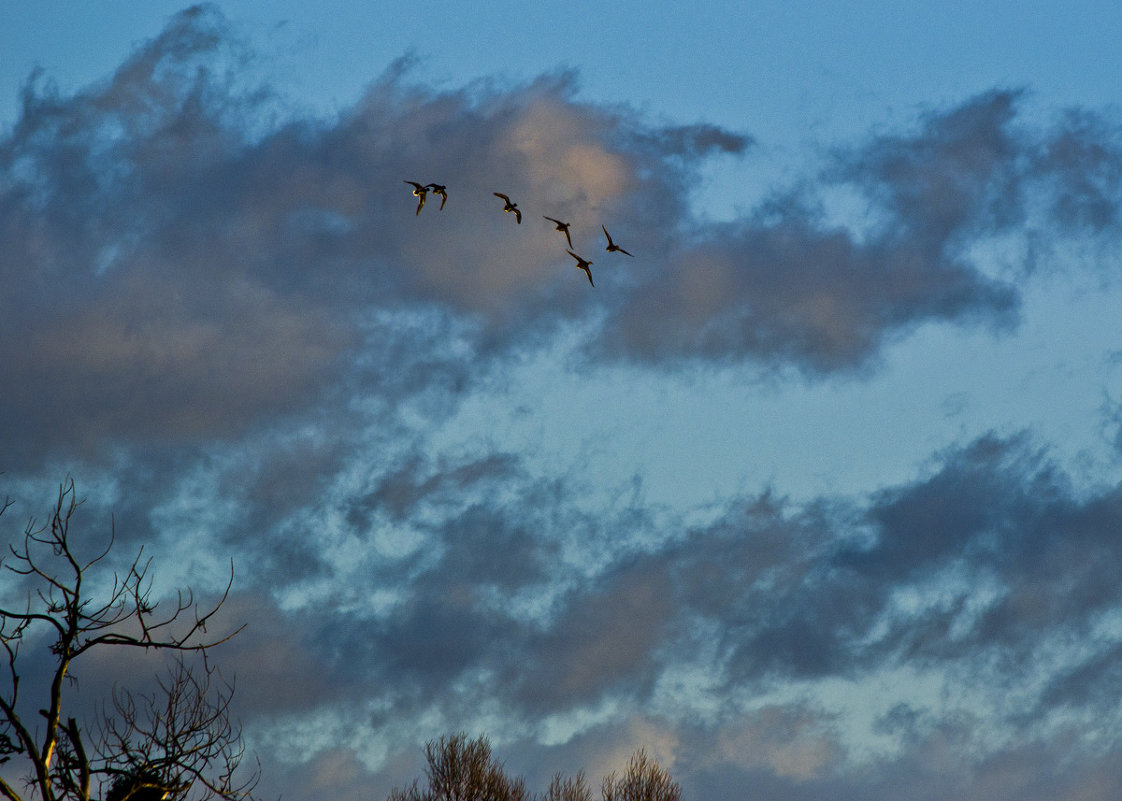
{"x":970,"y":612}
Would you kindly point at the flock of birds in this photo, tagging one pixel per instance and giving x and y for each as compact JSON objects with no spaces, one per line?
{"x":420,"y":191}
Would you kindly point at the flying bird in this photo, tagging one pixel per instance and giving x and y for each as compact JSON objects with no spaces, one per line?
{"x":510,"y":206}
{"x":563,"y":227}
{"x":439,"y":189}
{"x":612,"y":246}
{"x":582,"y":264}
{"x":419,"y":191}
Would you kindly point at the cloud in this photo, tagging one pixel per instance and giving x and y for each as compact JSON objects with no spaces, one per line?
{"x":785,"y":285}
{"x":966,"y":571}
{"x":157,"y":360}
{"x":989,"y":557}
{"x":937,"y":767}
{"x":792,"y":292}
{"x":180,"y":268}
{"x":604,"y":640}
{"x":969,"y":570}
{"x":402,"y":490}
{"x":1080,"y":163}
{"x":960,"y":173}
{"x":223,"y":263}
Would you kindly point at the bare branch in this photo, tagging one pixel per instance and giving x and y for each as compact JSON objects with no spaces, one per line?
{"x":182,"y":734}
{"x":148,"y":747}
{"x":460,"y":769}
{"x":574,"y":789}
{"x":81,"y":763}
{"x":643,"y":780}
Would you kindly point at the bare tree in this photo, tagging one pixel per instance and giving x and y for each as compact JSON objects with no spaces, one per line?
{"x":460,"y":769}
{"x":568,"y":789}
{"x":175,"y":741}
{"x":643,"y":780}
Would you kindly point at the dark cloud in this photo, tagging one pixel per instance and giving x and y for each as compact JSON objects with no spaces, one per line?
{"x":996,"y":553}
{"x":219,"y":271}
{"x":1081,"y":162}
{"x":183,"y":260}
{"x":806,"y":592}
{"x":793,"y":292}
{"x":696,"y":141}
{"x":1001,"y":511}
{"x":134,"y":305}
{"x":771,"y":591}
{"x":961,"y":173}
{"x":997,"y":515}
{"x":402,"y":489}
{"x":604,"y":640}
{"x":784,"y":285}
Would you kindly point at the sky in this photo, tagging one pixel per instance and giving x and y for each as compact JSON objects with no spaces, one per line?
{"x":818,"y":495}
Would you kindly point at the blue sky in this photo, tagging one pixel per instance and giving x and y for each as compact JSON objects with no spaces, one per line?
{"x":818,"y":496}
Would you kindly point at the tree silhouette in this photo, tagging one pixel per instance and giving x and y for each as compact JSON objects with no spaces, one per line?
{"x":459,"y":769}
{"x":568,"y":789}
{"x":176,"y":741}
{"x":643,"y":780}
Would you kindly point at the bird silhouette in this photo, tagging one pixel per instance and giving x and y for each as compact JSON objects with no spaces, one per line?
{"x":582,"y":264}
{"x":563,"y":227}
{"x":439,"y":189}
{"x":510,"y":206}
{"x":612,"y":246}
{"x":419,"y":191}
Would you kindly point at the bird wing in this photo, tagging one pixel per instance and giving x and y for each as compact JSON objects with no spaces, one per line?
{"x":500,"y":194}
